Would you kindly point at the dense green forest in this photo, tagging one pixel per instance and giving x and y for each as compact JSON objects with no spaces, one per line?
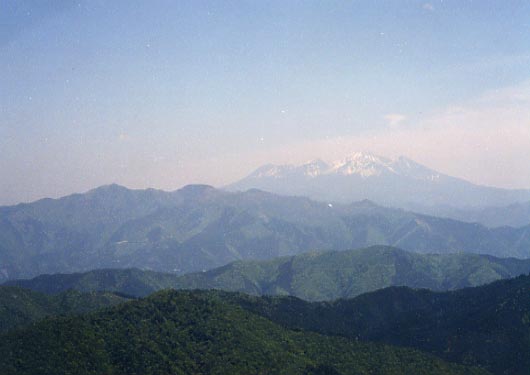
{"x":346,"y":274}
{"x":131,"y":281}
{"x":310,"y":276}
{"x":487,"y":325}
{"x":194,"y":332}
{"x":19,"y":307}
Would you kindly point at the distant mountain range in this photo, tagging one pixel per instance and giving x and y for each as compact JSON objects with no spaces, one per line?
{"x":398,"y":182}
{"x":198,"y":228}
{"x":514,"y":215}
{"x":311,"y":276}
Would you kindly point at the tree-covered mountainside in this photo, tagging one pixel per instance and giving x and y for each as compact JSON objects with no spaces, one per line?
{"x":19,"y":307}
{"x":310,"y":276}
{"x":346,"y":274}
{"x":194,"y":332}
{"x":487,"y":325}
{"x":220,"y":332}
{"x":199,"y":227}
{"x":131,"y":281}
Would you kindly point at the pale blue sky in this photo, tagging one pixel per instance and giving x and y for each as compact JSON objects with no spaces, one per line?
{"x":165,"y":93}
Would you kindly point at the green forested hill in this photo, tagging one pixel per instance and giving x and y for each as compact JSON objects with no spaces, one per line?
{"x":311,"y":276}
{"x":132,"y":282}
{"x":19,"y":307}
{"x":183,"y":332}
{"x":346,"y":274}
{"x":487,"y":325}
{"x":199,"y":228}
{"x":221,"y":332}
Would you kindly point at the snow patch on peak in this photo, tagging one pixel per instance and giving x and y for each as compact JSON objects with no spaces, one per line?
{"x":363,"y":164}
{"x":366,"y":157}
{"x":315,"y":168}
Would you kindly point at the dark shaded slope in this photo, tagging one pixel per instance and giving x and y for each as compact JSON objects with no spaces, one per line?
{"x":487,"y":325}
{"x":196,"y":333}
{"x":132,"y":282}
{"x":20,"y":307}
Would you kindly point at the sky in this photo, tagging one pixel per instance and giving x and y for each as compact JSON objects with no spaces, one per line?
{"x":167,"y":93}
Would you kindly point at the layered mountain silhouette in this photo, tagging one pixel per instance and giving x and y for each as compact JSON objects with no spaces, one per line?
{"x":310,"y":276}
{"x":198,"y":228}
{"x":398,"y":182}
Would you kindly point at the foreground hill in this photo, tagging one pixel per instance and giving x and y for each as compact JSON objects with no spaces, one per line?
{"x":221,"y":332}
{"x":398,"y":182}
{"x":311,"y":276}
{"x":196,"y":333}
{"x":19,"y":307}
{"x":198,"y":228}
{"x":487,"y":326}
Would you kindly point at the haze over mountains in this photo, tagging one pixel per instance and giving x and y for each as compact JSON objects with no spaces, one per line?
{"x":514,"y":215}
{"x":261,"y":243}
{"x":398,"y":182}
{"x":352,"y":263}
{"x":199,"y":227}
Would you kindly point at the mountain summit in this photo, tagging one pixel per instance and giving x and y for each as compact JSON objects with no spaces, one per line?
{"x":399,"y":182}
{"x":358,"y":163}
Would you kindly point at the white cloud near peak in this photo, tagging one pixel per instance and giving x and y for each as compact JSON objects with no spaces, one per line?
{"x":394,"y":119}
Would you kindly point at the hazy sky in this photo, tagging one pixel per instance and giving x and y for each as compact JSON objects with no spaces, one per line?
{"x":166,"y":93}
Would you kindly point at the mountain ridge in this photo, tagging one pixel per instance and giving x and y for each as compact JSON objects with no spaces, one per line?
{"x":199,"y":227}
{"x":310,"y":276}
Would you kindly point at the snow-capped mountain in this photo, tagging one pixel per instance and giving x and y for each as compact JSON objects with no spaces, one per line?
{"x":359,"y":163}
{"x":398,"y":182}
